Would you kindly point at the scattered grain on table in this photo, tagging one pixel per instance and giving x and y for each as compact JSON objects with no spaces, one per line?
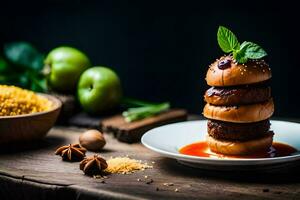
{"x":125,"y":165}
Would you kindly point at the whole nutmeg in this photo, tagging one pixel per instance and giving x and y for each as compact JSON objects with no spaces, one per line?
{"x":92,"y":140}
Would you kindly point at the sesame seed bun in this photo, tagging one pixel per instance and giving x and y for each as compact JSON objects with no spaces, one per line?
{"x":240,"y":147}
{"x":240,"y":114}
{"x":254,"y":71}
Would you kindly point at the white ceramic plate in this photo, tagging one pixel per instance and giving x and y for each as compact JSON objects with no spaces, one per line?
{"x":168,"y":139}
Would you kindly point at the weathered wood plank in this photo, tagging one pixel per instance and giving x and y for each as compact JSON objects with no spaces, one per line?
{"x":36,"y":173}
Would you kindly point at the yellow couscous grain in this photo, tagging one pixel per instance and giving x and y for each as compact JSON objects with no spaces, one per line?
{"x":125,"y":165}
{"x":17,"y":101}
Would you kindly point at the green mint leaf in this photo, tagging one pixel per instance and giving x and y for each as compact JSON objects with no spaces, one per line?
{"x":248,"y":50}
{"x":244,"y":45}
{"x":227,"y":40}
{"x":240,"y":57}
{"x":253,"y":51}
{"x":25,"y":55}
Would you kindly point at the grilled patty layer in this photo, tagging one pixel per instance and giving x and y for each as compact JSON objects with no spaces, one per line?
{"x":237,"y":131}
{"x":237,"y":96}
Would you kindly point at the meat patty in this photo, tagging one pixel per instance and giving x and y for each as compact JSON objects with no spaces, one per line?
{"x":237,"y":96}
{"x":237,"y":131}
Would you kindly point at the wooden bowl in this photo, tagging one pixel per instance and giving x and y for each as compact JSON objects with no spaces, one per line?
{"x":29,"y":127}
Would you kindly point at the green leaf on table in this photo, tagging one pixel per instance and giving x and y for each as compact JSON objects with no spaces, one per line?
{"x":3,"y":65}
{"x":227,"y":40}
{"x":23,"y":80}
{"x":9,"y":78}
{"x":38,"y":82}
{"x":25,"y":55}
{"x":38,"y":85}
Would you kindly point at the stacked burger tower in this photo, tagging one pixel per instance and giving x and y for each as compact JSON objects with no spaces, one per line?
{"x":239,"y":102}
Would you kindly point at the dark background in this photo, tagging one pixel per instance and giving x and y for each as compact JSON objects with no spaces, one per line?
{"x":161,"y":49}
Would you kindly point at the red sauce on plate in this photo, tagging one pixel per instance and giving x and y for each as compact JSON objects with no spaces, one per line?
{"x":201,"y":149}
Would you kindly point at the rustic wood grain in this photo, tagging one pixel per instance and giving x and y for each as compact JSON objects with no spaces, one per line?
{"x":34,"y":172}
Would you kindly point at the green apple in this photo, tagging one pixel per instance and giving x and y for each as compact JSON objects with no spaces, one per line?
{"x":66,"y":65}
{"x":99,"y":90}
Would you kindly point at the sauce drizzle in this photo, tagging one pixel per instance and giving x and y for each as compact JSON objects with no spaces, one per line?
{"x":201,"y":149}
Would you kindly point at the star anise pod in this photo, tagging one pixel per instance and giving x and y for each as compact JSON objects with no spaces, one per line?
{"x":71,"y":152}
{"x":93,"y":165}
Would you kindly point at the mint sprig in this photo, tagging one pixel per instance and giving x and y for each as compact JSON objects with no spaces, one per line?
{"x":229,"y":43}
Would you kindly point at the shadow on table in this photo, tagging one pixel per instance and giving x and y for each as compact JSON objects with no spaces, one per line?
{"x":280,"y":175}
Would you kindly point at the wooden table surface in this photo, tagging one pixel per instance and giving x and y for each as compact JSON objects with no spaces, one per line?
{"x":34,"y":172}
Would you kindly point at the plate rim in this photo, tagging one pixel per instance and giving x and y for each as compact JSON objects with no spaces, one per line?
{"x":196,"y":159}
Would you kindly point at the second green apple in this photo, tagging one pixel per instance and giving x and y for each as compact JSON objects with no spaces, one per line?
{"x":99,"y":90}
